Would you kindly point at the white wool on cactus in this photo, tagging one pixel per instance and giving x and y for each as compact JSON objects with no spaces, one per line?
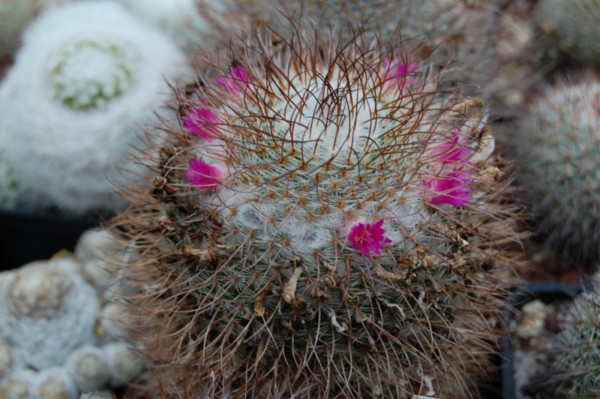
{"x":15,"y":15}
{"x":88,"y":77}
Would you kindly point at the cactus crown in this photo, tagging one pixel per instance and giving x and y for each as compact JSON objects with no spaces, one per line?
{"x":81,"y":87}
{"x":308,"y":207}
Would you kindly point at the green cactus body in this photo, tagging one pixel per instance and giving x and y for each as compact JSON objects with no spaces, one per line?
{"x":558,"y":147}
{"x":572,"y":27}
{"x":325,"y":223}
{"x":79,"y":87}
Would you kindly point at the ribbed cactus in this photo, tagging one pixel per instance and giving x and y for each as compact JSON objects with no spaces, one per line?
{"x":325,"y":222}
{"x":572,"y":27}
{"x":87,"y":77}
{"x":558,"y":146}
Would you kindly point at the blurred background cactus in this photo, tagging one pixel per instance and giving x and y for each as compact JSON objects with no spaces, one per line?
{"x":326,"y":220}
{"x":557,"y":144}
{"x":15,"y":15}
{"x":88,"y":76}
{"x":571,"y":28}
{"x":61,"y":331}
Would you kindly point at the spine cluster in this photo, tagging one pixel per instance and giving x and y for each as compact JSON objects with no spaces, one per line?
{"x":326,"y":220}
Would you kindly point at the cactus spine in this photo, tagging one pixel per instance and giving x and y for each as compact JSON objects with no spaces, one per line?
{"x":325,"y":222}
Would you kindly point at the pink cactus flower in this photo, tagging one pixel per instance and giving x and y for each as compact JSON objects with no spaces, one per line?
{"x":236,"y":82}
{"x":203,"y":175}
{"x":367,"y":237}
{"x":396,"y":71}
{"x":450,"y":186}
{"x":201,"y":121}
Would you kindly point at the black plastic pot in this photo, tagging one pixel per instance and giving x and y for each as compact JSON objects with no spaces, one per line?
{"x":26,"y":237}
{"x":546,"y":292}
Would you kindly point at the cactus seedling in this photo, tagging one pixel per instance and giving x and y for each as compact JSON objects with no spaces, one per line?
{"x":324,"y":222}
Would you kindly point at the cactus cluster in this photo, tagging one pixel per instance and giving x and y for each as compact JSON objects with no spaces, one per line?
{"x":557,"y":146}
{"x":572,"y":28}
{"x":88,"y":75}
{"x":327,"y":220}
{"x":61,"y":331}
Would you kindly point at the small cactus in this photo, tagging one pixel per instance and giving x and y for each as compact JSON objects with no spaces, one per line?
{"x":577,"y":363}
{"x":572,"y":27}
{"x":326,"y":221}
{"x":87,"y":76}
{"x":558,"y":145}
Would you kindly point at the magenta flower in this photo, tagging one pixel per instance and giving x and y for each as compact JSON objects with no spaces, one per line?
{"x":201,"y":121}
{"x":236,"y":82}
{"x":203,"y":175}
{"x":450,"y":184}
{"x":368,"y":237}
{"x":397,"y":71}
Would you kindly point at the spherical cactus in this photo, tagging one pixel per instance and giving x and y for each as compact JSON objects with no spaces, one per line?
{"x":88,"y":368}
{"x":326,"y":222}
{"x":18,"y":385}
{"x":572,"y":27}
{"x":54,"y":383}
{"x":46,"y":301}
{"x":557,"y":145}
{"x":88,"y":75}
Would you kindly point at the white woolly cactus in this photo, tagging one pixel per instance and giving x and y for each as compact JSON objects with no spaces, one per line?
{"x":325,"y":222}
{"x":573,"y":27}
{"x":88,"y":76}
{"x":558,"y":149}
{"x":54,"y":341}
{"x":191,"y":23}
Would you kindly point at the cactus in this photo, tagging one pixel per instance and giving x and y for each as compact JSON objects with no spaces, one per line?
{"x":54,"y":339}
{"x":557,"y":145}
{"x":192,"y":23}
{"x":572,"y":27}
{"x":88,"y":75}
{"x":577,"y":363}
{"x":326,"y":221}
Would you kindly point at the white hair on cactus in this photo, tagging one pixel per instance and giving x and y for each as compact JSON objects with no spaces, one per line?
{"x":87,"y":77}
{"x":54,"y":383}
{"x":180,"y":19}
{"x":18,"y":385}
{"x":124,"y":363}
{"x":87,"y":366}
{"x":47,"y":311}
